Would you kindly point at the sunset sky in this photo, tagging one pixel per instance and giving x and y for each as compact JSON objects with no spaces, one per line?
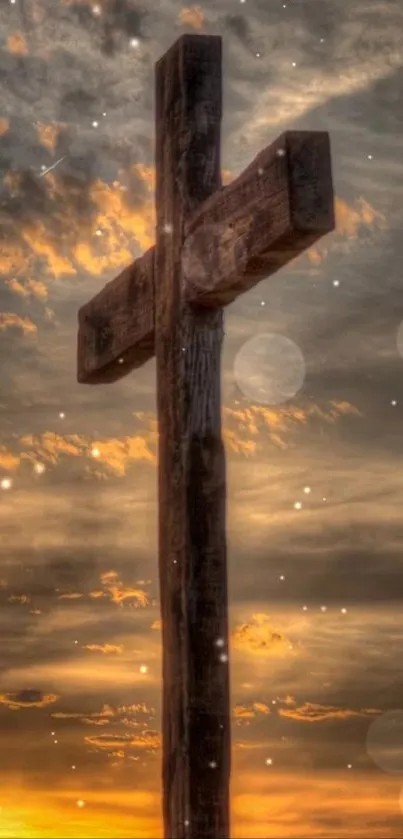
{"x":315,"y":483}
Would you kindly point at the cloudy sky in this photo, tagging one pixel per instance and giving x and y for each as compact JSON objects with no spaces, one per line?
{"x":315,"y":484}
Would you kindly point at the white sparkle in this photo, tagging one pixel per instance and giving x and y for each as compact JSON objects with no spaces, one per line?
{"x":258,"y":55}
{"x":297,"y":505}
{"x":43,"y":167}
{"x":186,"y":822}
{"x":76,"y":642}
{"x":307,"y":490}
{"x":143,"y":668}
{"x":305,"y":608}
{"x":393,"y":402}
{"x":212,"y":764}
{"x":39,"y":468}
{"x":53,"y":733}
{"x":223,"y":657}
{"x":336,"y":282}
{"x":95,"y":452}
{"x":62,"y":415}
{"x":260,"y":171}
{"x":98,"y":232}
{"x":73,"y":767}
{"x":273,"y":701}
{"x":96,"y":10}
{"x":80,"y":803}
{"x":134,"y":42}
{"x":370,"y":157}
{"x":104,"y":113}
{"x":167,"y":228}
{"x":282,"y":577}
{"x":322,"y":40}
{"x":6,"y":483}
{"x":343,"y":611}
{"x":220,"y":642}
{"x":324,"y":498}
{"x":95,"y":124}
{"x":349,"y":766}
{"x":294,"y":63}
{"x":12,"y":2}
{"x":280,"y":152}
{"x":262,"y":303}
{"x":55,"y":741}
{"x":269,"y":761}
{"x":323,"y":608}
{"x":121,"y":361}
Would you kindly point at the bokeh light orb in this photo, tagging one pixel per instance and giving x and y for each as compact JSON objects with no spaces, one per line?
{"x":384,"y":742}
{"x":269,"y":368}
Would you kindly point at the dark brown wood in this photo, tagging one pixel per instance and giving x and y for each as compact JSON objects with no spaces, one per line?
{"x":116,"y":328}
{"x":277,"y":208}
{"x":192,"y":542}
{"x":213,"y":244}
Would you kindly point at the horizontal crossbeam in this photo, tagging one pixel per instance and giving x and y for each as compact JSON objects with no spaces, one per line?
{"x":277,"y":208}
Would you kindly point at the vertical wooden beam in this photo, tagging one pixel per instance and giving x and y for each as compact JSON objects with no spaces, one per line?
{"x":192,"y":488}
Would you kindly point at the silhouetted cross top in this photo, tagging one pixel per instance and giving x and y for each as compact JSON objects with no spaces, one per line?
{"x":212,"y":244}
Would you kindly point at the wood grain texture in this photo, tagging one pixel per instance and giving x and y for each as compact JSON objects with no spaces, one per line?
{"x":192,"y":542}
{"x":277,"y":208}
{"x":116,"y":328}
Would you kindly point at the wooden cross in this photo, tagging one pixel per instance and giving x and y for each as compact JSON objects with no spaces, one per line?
{"x":212,"y":244}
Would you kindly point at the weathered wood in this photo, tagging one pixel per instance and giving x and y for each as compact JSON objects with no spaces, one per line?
{"x":277,"y":208}
{"x":116,"y":328}
{"x":192,"y":543}
{"x":212,"y":245}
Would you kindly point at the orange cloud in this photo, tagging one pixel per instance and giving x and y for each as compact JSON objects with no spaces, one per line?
{"x":27,"y":699}
{"x":118,"y":593}
{"x":245,"y":430}
{"x":147,"y":740}
{"x":8,"y":461}
{"x":349,"y":220}
{"x":50,"y":446}
{"x":9,"y":320}
{"x":105,"y":648}
{"x":16,"y":44}
{"x":245,"y":713}
{"x":311,"y":712}
{"x":116,"y":454}
{"x":35,"y":288}
{"x":157,"y":625}
{"x":259,"y":636}
{"x":192,"y":16}
{"x":48,"y":134}
{"x":288,"y":700}
{"x":4,"y":126}
{"x":73,"y":595}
